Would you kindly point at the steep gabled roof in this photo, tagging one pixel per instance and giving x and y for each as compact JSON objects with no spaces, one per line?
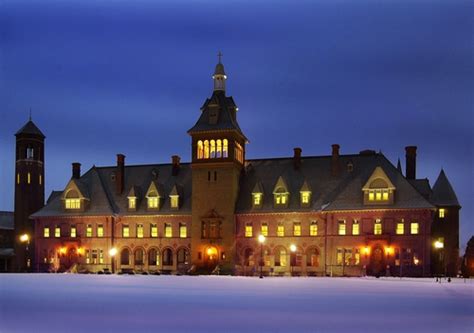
{"x":224,"y":109}
{"x":31,"y":129}
{"x":443,"y":192}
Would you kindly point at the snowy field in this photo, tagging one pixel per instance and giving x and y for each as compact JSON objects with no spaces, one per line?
{"x":106,"y":303}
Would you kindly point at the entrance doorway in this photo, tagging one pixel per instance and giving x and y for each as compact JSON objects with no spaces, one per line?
{"x":377,"y":262}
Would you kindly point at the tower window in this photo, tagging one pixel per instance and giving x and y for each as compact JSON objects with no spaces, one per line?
{"x":40,"y":181}
{"x":29,"y":178}
{"x":18,"y":178}
{"x":29,"y":153}
{"x":206,"y":149}
{"x":213,"y":149}
{"x":219,"y":148}
{"x":225,"y":148}
{"x":442,"y":213}
{"x":200,"y":150}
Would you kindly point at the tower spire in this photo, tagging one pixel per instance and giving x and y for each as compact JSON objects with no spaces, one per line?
{"x":219,"y":55}
{"x":219,"y":76}
{"x":30,"y":115}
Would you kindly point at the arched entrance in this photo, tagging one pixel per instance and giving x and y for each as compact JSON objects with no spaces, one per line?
{"x":377,"y":261}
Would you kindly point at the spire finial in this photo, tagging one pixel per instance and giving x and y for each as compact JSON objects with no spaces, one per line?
{"x":30,"y":114}
{"x":219,"y":55}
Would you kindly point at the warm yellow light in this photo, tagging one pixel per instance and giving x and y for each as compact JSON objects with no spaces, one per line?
{"x":113,"y":252}
{"x":366,"y":250}
{"x":388,"y":250}
{"x":261,"y":238}
{"x":293,"y":248}
{"x":438,"y":244}
{"x":62,"y":250}
{"x":80,"y":251}
{"x":416,"y":261}
{"x":24,"y":238}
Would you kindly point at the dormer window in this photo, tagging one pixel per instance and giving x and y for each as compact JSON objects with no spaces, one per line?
{"x":280,"y":193}
{"x":257,"y":195}
{"x":132,"y":203}
{"x":442,"y":213}
{"x":257,"y":199}
{"x":153,"y":196}
{"x":305,"y":197}
{"x":378,"y":189}
{"x":72,"y":201}
{"x":152,"y":200}
{"x":174,"y":201}
{"x":281,"y":198}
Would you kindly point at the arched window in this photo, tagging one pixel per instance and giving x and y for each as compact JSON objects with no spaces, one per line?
{"x":312,"y":257}
{"x":167,"y":257}
{"x":183,"y":256}
{"x":225,"y":148}
{"x":125,"y":257}
{"x":280,"y":257}
{"x":153,"y":257}
{"x":200,"y":150}
{"x":206,"y":149}
{"x":219,"y":148}
{"x":213,"y":149}
{"x":138,"y":258}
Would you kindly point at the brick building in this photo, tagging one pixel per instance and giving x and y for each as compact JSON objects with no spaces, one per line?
{"x":320,"y":215}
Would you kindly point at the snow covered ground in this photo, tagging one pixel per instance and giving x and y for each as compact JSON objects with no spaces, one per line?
{"x":105,"y":303}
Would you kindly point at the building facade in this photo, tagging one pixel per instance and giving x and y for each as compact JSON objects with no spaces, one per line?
{"x":330,"y":215}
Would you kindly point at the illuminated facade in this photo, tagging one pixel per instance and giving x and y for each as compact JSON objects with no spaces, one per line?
{"x":320,"y":215}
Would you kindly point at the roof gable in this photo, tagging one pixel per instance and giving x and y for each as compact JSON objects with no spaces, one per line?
{"x":31,"y":129}
{"x":378,"y":179}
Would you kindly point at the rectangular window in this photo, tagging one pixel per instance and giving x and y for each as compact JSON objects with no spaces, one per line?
{"x":280,"y":230}
{"x":281,"y":199}
{"x":305,"y":197}
{"x":152,"y":202}
{"x":257,"y":199}
{"x":183,"y":230}
{"x":339,"y":253}
{"x":101,"y":256}
{"x":18,"y":178}
{"x":40,"y":181}
{"x":94,"y":256}
{"x":264,"y":230}
{"x":442,"y":212}
{"x":73,"y":203}
{"x":46,"y":232}
{"x":168,"y":230}
{"x":313,"y":228}
{"x":29,"y":178}
{"x":89,"y":230}
{"x":378,"y":196}
{"x":385,"y":195}
{"x":73,"y":231}
{"x":378,"y":227}
{"x":132,"y":203}
{"x":341,"y":227}
{"x":348,"y":257}
{"x":174,"y":201}
{"x":139,"y":230}
{"x":356,"y":257}
{"x":100,"y":230}
{"x":296,"y":229}
{"x":371,"y":195}
{"x":57,"y":232}
{"x":154,"y":230}
{"x":400,"y":228}
{"x":414,"y":228}
{"x":125,"y":231}
{"x":248,"y":230}
{"x":88,"y":256}
{"x":355,"y":227}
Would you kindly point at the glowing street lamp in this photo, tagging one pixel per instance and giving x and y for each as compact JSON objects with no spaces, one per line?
{"x":24,"y":238}
{"x":293,"y":258}
{"x":112,"y":254}
{"x":438,"y":245}
{"x":261,"y":240}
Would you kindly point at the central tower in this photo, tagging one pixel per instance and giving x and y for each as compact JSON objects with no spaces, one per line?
{"x":218,"y":155}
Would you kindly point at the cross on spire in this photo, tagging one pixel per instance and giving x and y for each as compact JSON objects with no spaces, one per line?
{"x":219,"y":55}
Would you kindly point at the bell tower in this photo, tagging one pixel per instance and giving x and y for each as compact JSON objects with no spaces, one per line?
{"x":29,"y":191}
{"x":218,"y":155}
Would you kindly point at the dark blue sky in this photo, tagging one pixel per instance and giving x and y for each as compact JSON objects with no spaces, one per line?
{"x":130,"y":76}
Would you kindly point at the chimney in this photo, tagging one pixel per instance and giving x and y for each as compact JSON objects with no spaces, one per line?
{"x":76,"y":170}
{"x":410,"y":172}
{"x":175,"y":161}
{"x":297,"y":158}
{"x":120,"y":174}
{"x":335,"y":167}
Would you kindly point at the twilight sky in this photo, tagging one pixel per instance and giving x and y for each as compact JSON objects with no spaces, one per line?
{"x":107,"y":77}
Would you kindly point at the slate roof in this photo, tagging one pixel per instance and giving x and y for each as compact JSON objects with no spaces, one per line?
{"x":328,"y":193}
{"x":31,"y":129}
{"x":226,"y":115}
{"x":423,"y":186}
{"x":7,"y":220}
{"x":443,"y":192}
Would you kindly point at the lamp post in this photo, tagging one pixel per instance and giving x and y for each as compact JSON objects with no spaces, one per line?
{"x":25,"y":238}
{"x":261,"y":240}
{"x":112,"y":254}
{"x":439,"y":246}
{"x":293,"y":250}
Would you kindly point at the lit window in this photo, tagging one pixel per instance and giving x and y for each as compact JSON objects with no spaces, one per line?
{"x":200,"y":150}
{"x":152,"y":202}
{"x":305,"y":197}
{"x":154,"y":230}
{"x":378,"y":196}
{"x":339,"y":256}
{"x":206,"y":149}
{"x":132,"y":203}
{"x":18,"y":178}
{"x":73,"y":203}
{"x":400,"y":228}
{"x":281,"y":198}
{"x":356,"y":257}
{"x":73,"y":232}
{"x":355,"y":228}
{"x":296,"y":229}
{"x":101,"y":256}
{"x":100,"y":230}
{"x":280,"y":258}
{"x":139,"y":230}
{"x":46,"y":232}
{"x":29,"y":178}
{"x":40,"y":181}
{"x":225,"y":148}
{"x":280,"y":230}
{"x":168,"y":230}
{"x":442,"y":212}
{"x":385,"y":195}
{"x":371,"y":196}
{"x":257,"y":199}
{"x":174,"y":201}
{"x":125,"y":231}
{"x":94,"y":256}
{"x":219,"y":148}
{"x":341,"y":228}
{"x":264,"y":229}
{"x":213,"y":149}
{"x":88,"y":256}
{"x":248,"y":230}
{"x":183,"y":230}
{"x":89,"y":230}
{"x":57,"y":232}
{"x":313,"y":228}
{"x":378,"y":227}
{"x":414,"y":228}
